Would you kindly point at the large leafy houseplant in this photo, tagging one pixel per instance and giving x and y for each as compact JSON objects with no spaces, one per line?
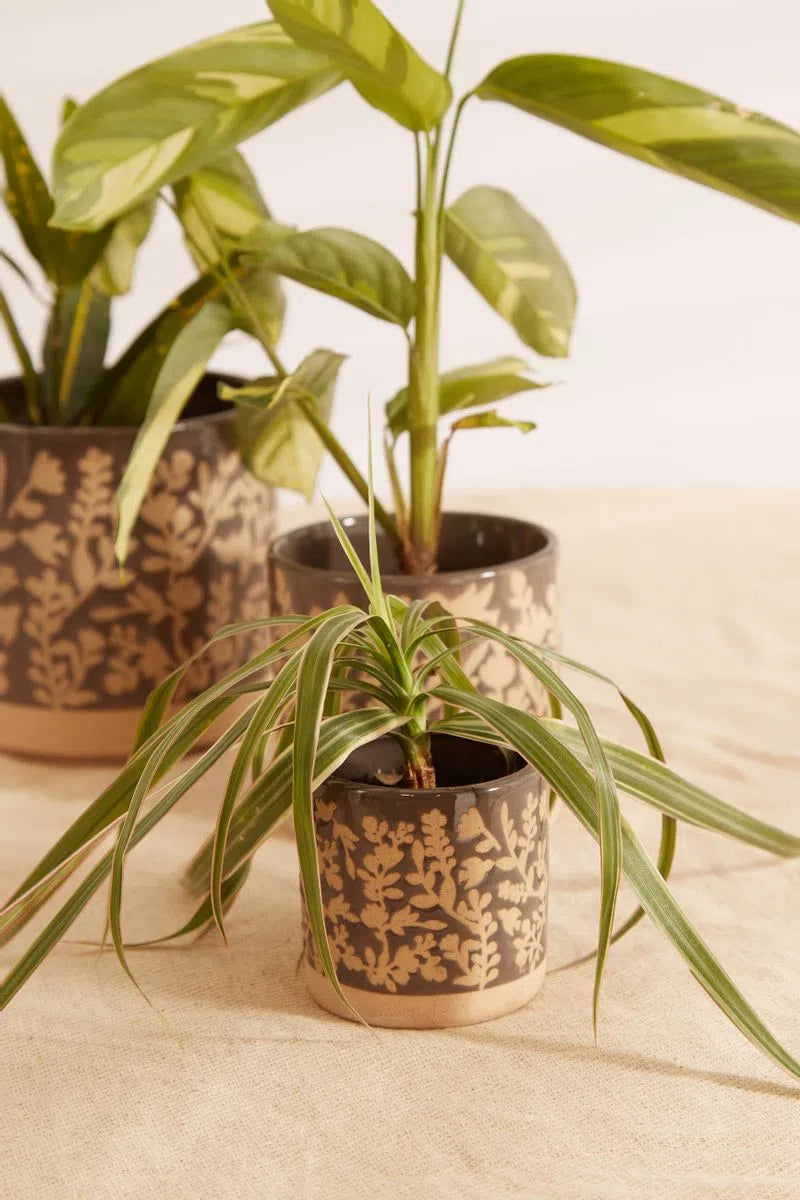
{"x":153,"y":379}
{"x":165,"y":120}
{"x":403,"y":661}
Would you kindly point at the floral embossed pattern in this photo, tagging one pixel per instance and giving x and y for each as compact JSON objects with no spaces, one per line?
{"x":77,"y":633}
{"x":430,"y":895}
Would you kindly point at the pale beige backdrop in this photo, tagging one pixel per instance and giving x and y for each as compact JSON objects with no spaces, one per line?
{"x":692,"y":599}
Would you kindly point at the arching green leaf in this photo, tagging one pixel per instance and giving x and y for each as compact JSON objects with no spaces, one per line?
{"x":670,"y":125}
{"x":343,"y":264}
{"x":179,"y":113}
{"x":377,"y":60}
{"x":75,"y":341}
{"x":181,"y":371}
{"x":468,"y":387}
{"x":515,"y":265}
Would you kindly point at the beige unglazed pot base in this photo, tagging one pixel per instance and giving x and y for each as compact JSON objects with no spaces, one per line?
{"x":106,"y":736}
{"x":426,"y":1012}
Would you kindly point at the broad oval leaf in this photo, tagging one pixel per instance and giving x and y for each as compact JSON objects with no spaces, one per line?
{"x":218,"y":206}
{"x":660,"y":121}
{"x":377,"y":60}
{"x":278,"y":443}
{"x":515,"y":265}
{"x":346,"y":265}
{"x":468,"y":387}
{"x":176,"y":114}
{"x":181,"y":370}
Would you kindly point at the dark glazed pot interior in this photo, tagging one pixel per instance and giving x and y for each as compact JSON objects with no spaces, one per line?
{"x":469,"y":542}
{"x":203,"y":402}
{"x":458,"y":762}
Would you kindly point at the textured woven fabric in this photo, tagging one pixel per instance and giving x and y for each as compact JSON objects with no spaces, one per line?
{"x":247,"y":1090}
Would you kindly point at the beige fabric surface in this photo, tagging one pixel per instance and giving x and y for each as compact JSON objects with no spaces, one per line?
{"x":247,"y":1090}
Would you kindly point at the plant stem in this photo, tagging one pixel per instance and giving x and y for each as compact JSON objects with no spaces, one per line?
{"x":423,"y":372}
{"x":449,"y":155}
{"x":451,"y":49}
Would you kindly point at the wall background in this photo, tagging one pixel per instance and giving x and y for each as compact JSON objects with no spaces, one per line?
{"x":686,"y":351}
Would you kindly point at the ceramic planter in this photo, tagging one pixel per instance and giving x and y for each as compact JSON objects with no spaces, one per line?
{"x":82,"y":644}
{"x":494,"y":568}
{"x":435,"y":901}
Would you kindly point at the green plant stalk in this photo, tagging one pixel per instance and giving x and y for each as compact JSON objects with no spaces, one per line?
{"x":72,"y":355}
{"x":423,"y":374}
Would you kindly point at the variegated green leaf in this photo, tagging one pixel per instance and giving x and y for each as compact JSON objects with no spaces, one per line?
{"x":575,"y":785}
{"x":74,"y":351}
{"x":656,"y":785}
{"x":660,"y":121}
{"x":181,"y":371}
{"x":377,"y":60}
{"x":343,"y":264}
{"x":129,"y":382}
{"x":177,"y":114}
{"x":64,"y":257}
{"x":113,"y":272}
{"x":515,"y":265}
{"x":491,"y":420}
{"x":27,"y":196}
{"x":468,"y":387}
{"x":219,"y":206}
{"x":30,"y":376}
{"x":279,"y":444}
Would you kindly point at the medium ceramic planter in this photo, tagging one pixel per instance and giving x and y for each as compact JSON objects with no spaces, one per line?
{"x":435,"y":901}
{"x":81,"y":643}
{"x":498,"y":569}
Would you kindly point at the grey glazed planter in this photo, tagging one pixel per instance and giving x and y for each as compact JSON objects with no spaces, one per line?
{"x":82,"y":644}
{"x":495,"y":568}
{"x":435,"y":901}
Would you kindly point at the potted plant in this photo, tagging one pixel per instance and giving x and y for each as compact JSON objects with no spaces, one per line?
{"x":422,"y":843}
{"x":82,"y":643}
{"x":499,"y":569}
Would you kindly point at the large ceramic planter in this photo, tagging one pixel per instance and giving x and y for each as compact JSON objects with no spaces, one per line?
{"x":435,"y":901}
{"x":494,"y":568}
{"x":81,"y":643}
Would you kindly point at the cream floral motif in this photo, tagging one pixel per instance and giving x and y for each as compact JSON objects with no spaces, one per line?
{"x":420,"y":907}
{"x":75,"y":630}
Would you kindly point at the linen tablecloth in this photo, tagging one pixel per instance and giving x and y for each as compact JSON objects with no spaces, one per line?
{"x":691,"y":599}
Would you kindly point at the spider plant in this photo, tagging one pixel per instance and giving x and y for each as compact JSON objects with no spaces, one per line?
{"x":402,"y":661}
{"x":82,"y":273}
{"x":163,"y":121}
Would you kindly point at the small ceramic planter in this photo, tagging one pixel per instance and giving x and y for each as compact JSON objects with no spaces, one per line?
{"x":81,"y":643}
{"x":435,"y":901}
{"x":494,"y":568}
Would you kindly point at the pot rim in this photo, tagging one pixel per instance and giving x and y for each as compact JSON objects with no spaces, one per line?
{"x":492,"y":788}
{"x":87,"y":431}
{"x":278,"y":552}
